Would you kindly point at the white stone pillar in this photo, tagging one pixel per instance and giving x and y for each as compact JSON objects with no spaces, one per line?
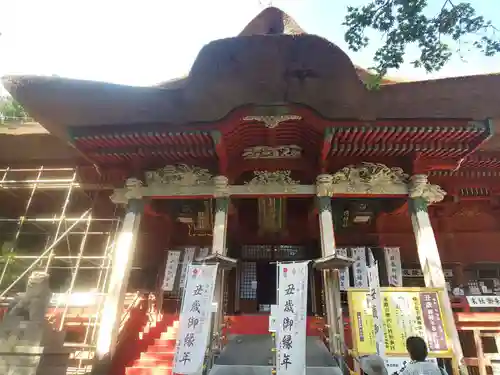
{"x":328,"y":249}
{"x":326,"y":226}
{"x":123,"y":256}
{"x":219,"y":255}
{"x":219,"y":251}
{"x":220,"y":226}
{"x":329,"y":263}
{"x":422,"y":193}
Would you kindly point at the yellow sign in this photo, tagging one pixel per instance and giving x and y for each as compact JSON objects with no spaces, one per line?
{"x":405,"y":312}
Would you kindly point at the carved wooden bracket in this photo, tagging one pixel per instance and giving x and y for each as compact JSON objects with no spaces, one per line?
{"x":363,"y":179}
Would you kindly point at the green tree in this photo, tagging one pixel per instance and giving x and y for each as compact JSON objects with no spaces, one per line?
{"x":403,"y":22}
{"x":11,"y":110}
{"x":10,"y":267}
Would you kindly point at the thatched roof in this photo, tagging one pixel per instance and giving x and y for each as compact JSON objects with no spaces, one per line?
{"x":272,"y":21}
{"x":272,"y":61}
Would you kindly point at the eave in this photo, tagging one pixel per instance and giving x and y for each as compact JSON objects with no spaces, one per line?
{"x":427,"y":138}
{"x":105,"y":147}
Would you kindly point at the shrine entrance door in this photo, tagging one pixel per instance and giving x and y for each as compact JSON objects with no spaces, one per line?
{"x":258,"y":275}
{"x":267,"y":283}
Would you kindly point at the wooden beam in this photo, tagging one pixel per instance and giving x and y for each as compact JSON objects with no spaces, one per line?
{"x":325,"y":150}
{"x":478,"y":317}
{"x":423,"y":165}
{"x":185,"y":150}
{"x":480,"y":353}
{"x":220,"y":150}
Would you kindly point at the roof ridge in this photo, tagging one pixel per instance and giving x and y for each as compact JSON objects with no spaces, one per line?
{"x":272,"y":21}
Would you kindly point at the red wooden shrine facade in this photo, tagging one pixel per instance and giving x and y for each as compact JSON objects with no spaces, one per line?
{"x":277,"y":100}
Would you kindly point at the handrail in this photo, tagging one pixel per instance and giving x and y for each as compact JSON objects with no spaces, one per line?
{"x":138,"y":299}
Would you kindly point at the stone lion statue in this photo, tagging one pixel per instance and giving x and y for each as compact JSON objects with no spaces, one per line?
{"x":34,"y":302}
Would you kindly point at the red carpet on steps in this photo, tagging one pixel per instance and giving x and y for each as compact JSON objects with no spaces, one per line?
{"x":154,"y":353}
{"x":158,"y":350}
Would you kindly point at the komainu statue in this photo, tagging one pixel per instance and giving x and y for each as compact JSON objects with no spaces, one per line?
{"x":34,"y":302}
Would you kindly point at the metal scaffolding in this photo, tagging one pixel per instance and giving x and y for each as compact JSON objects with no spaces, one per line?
{"x":48,"y":222}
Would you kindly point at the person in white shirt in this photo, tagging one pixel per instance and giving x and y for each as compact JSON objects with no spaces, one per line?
{"x":417,"y":348}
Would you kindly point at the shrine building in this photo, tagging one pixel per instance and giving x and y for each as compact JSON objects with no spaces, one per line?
{"x":271,"y":150}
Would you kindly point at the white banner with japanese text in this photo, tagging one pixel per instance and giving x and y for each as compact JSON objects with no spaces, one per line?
{"x":173,"y":259}
{"x":187,"y":259}
{"x":375,"y":302}
{"x":195,"y":319}
{"x":344,"y":281}
{"x":393,"y":265}
{"x":359,"y":267}
{"x":292,"y":316}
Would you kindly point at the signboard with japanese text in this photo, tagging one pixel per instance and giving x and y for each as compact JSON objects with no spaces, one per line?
{"x":187,"y":259}
{"x":195,"y":319}
{"x":344,"y":280}
{"x":292,"y":318}
{"x":375,"y":302}
{"x":171,"y":270}
{"x":406,"y":312}
{"x":417,"y":272}
{"x":393,"y":264}
{"x":359,"y":268}
{"x":483,"y":301}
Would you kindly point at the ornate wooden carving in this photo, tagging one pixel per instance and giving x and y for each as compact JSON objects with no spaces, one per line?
{"x":363,"y":179}
{"x":271,"y":182}
{"x":270,"y":152}
{"x":420,"y":187}
{"x":272,"y":122}
{"x":180,"y":175}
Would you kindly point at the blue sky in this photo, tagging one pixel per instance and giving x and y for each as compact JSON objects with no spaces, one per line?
{"x":149,"y":41}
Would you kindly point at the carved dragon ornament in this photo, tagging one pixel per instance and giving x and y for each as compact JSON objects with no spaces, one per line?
{"x":272,"y":182}
{"x":375,"y":178}
{"x":179,"y":179}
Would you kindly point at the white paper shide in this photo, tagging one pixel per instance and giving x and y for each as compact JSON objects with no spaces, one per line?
{"x":393,"y":263}
{"x":292,"y":315}
{"x":194,"y":326}
{"x":171,"y":270}
{"x":375,"y":302}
